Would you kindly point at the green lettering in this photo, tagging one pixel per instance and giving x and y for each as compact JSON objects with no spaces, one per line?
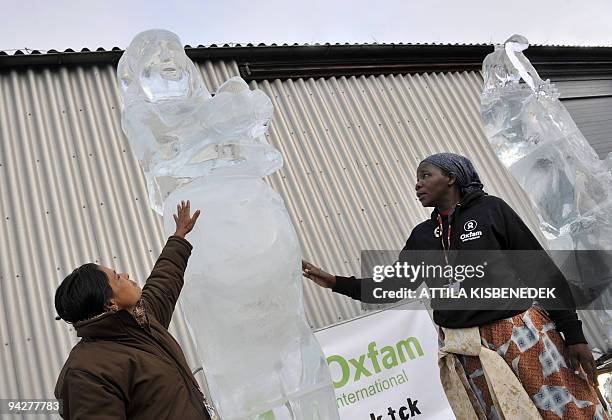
{"x":268,"y":415}
{"x":405,"y":344}
{"x":351,"y":398}
{"x":346,"y":372}
{"x":362,"y":394}
{"x":359,"y":367}
{"x":401,"y":378}
{"x":393,"y":379}
{"x":389,"y":357}
{"x":372,"y":353}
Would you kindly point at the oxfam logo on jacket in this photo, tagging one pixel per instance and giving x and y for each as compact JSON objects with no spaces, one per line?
{"x":373,"y":361}
{"x":472,"y":233}
{"x":470,"y":225}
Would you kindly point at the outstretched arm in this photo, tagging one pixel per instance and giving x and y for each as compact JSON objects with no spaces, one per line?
{"x":358,"y":288}
{"x":165,"y":282}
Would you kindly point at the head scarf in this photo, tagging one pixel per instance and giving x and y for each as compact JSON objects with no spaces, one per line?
{"x":461,"y":167}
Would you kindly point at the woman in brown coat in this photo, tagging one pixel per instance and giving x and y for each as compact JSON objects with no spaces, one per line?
{"x":127,"y":365}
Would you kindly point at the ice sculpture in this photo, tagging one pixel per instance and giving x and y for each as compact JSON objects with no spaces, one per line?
{"x":243,"y":290}
{"x":608,"y":391}
{"x":570,"y":188}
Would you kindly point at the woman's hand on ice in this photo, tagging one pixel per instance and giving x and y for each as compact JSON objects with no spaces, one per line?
{"x":183,"y":219}
{"x":317,"y":275}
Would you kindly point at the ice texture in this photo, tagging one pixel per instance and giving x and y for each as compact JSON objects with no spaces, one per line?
{"x":243,"y":290}
{"x":570,"y":188}
{"x":608,"y":391}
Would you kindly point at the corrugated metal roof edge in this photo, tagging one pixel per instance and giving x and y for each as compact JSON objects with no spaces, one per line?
{"x":29,"y":51}
{"x":263,"y":62}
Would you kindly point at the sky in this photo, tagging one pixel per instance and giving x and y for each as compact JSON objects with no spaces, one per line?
{"x":61,"y":24}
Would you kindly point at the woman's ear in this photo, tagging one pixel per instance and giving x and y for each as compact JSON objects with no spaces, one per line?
{"x":452,"y":179}
{"x":112,"y":306}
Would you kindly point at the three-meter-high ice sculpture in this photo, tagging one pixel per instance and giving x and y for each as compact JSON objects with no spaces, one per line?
{"x":243,"y":290}
{"x":569,"y":186}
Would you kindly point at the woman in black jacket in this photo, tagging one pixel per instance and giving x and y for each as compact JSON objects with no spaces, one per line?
{"x":527,"y":338}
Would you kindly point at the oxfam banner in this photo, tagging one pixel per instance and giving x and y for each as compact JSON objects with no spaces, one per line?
{"x":384,"y":367}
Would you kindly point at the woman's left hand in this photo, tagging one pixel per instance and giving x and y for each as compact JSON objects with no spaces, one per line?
{"x":580,"y":355}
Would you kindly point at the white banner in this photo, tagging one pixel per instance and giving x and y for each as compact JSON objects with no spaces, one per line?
{"x":384,"y":366}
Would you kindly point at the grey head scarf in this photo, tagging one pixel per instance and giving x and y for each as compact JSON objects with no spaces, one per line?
{"x":461,"y":167}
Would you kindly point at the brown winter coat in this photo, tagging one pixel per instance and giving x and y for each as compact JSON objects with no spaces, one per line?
{"x":120,"y":370}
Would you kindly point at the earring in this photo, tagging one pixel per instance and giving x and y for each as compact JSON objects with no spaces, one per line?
{"x":113,"y":307}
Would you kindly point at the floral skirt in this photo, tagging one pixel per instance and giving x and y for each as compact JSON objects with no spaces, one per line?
{"x":536,"y":353}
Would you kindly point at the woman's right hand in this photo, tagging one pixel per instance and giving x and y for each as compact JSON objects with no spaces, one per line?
{"x":322,"y":278}
{"x":183,"y":219}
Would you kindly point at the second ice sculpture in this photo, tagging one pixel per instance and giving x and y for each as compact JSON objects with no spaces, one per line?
{"x":569,"y":186}
{"x":243,"y":289}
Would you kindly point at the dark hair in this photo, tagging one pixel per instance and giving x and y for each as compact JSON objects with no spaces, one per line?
{"x":84,"y":293}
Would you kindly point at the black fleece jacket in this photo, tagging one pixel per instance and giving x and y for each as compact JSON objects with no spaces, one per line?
{"x":498,"y":228}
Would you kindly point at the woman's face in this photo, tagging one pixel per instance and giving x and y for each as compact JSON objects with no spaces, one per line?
{"x":126,"y":292}
{"x":432,"y":185}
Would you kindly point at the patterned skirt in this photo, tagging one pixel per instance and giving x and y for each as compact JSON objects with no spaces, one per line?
{"x":532,"y":347}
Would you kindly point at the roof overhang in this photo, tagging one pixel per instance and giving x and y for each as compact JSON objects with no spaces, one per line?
{"x":305,"y":61}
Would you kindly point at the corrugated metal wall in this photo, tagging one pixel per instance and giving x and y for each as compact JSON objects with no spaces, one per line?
{"x":589,"y":102}
{"x":593,"y":116}
{"x":72,"y":192}
{"x":352,"y":146}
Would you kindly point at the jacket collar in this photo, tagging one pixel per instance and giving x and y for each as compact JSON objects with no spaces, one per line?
{"x":107,"y":325}
{"x":465,"y":202}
